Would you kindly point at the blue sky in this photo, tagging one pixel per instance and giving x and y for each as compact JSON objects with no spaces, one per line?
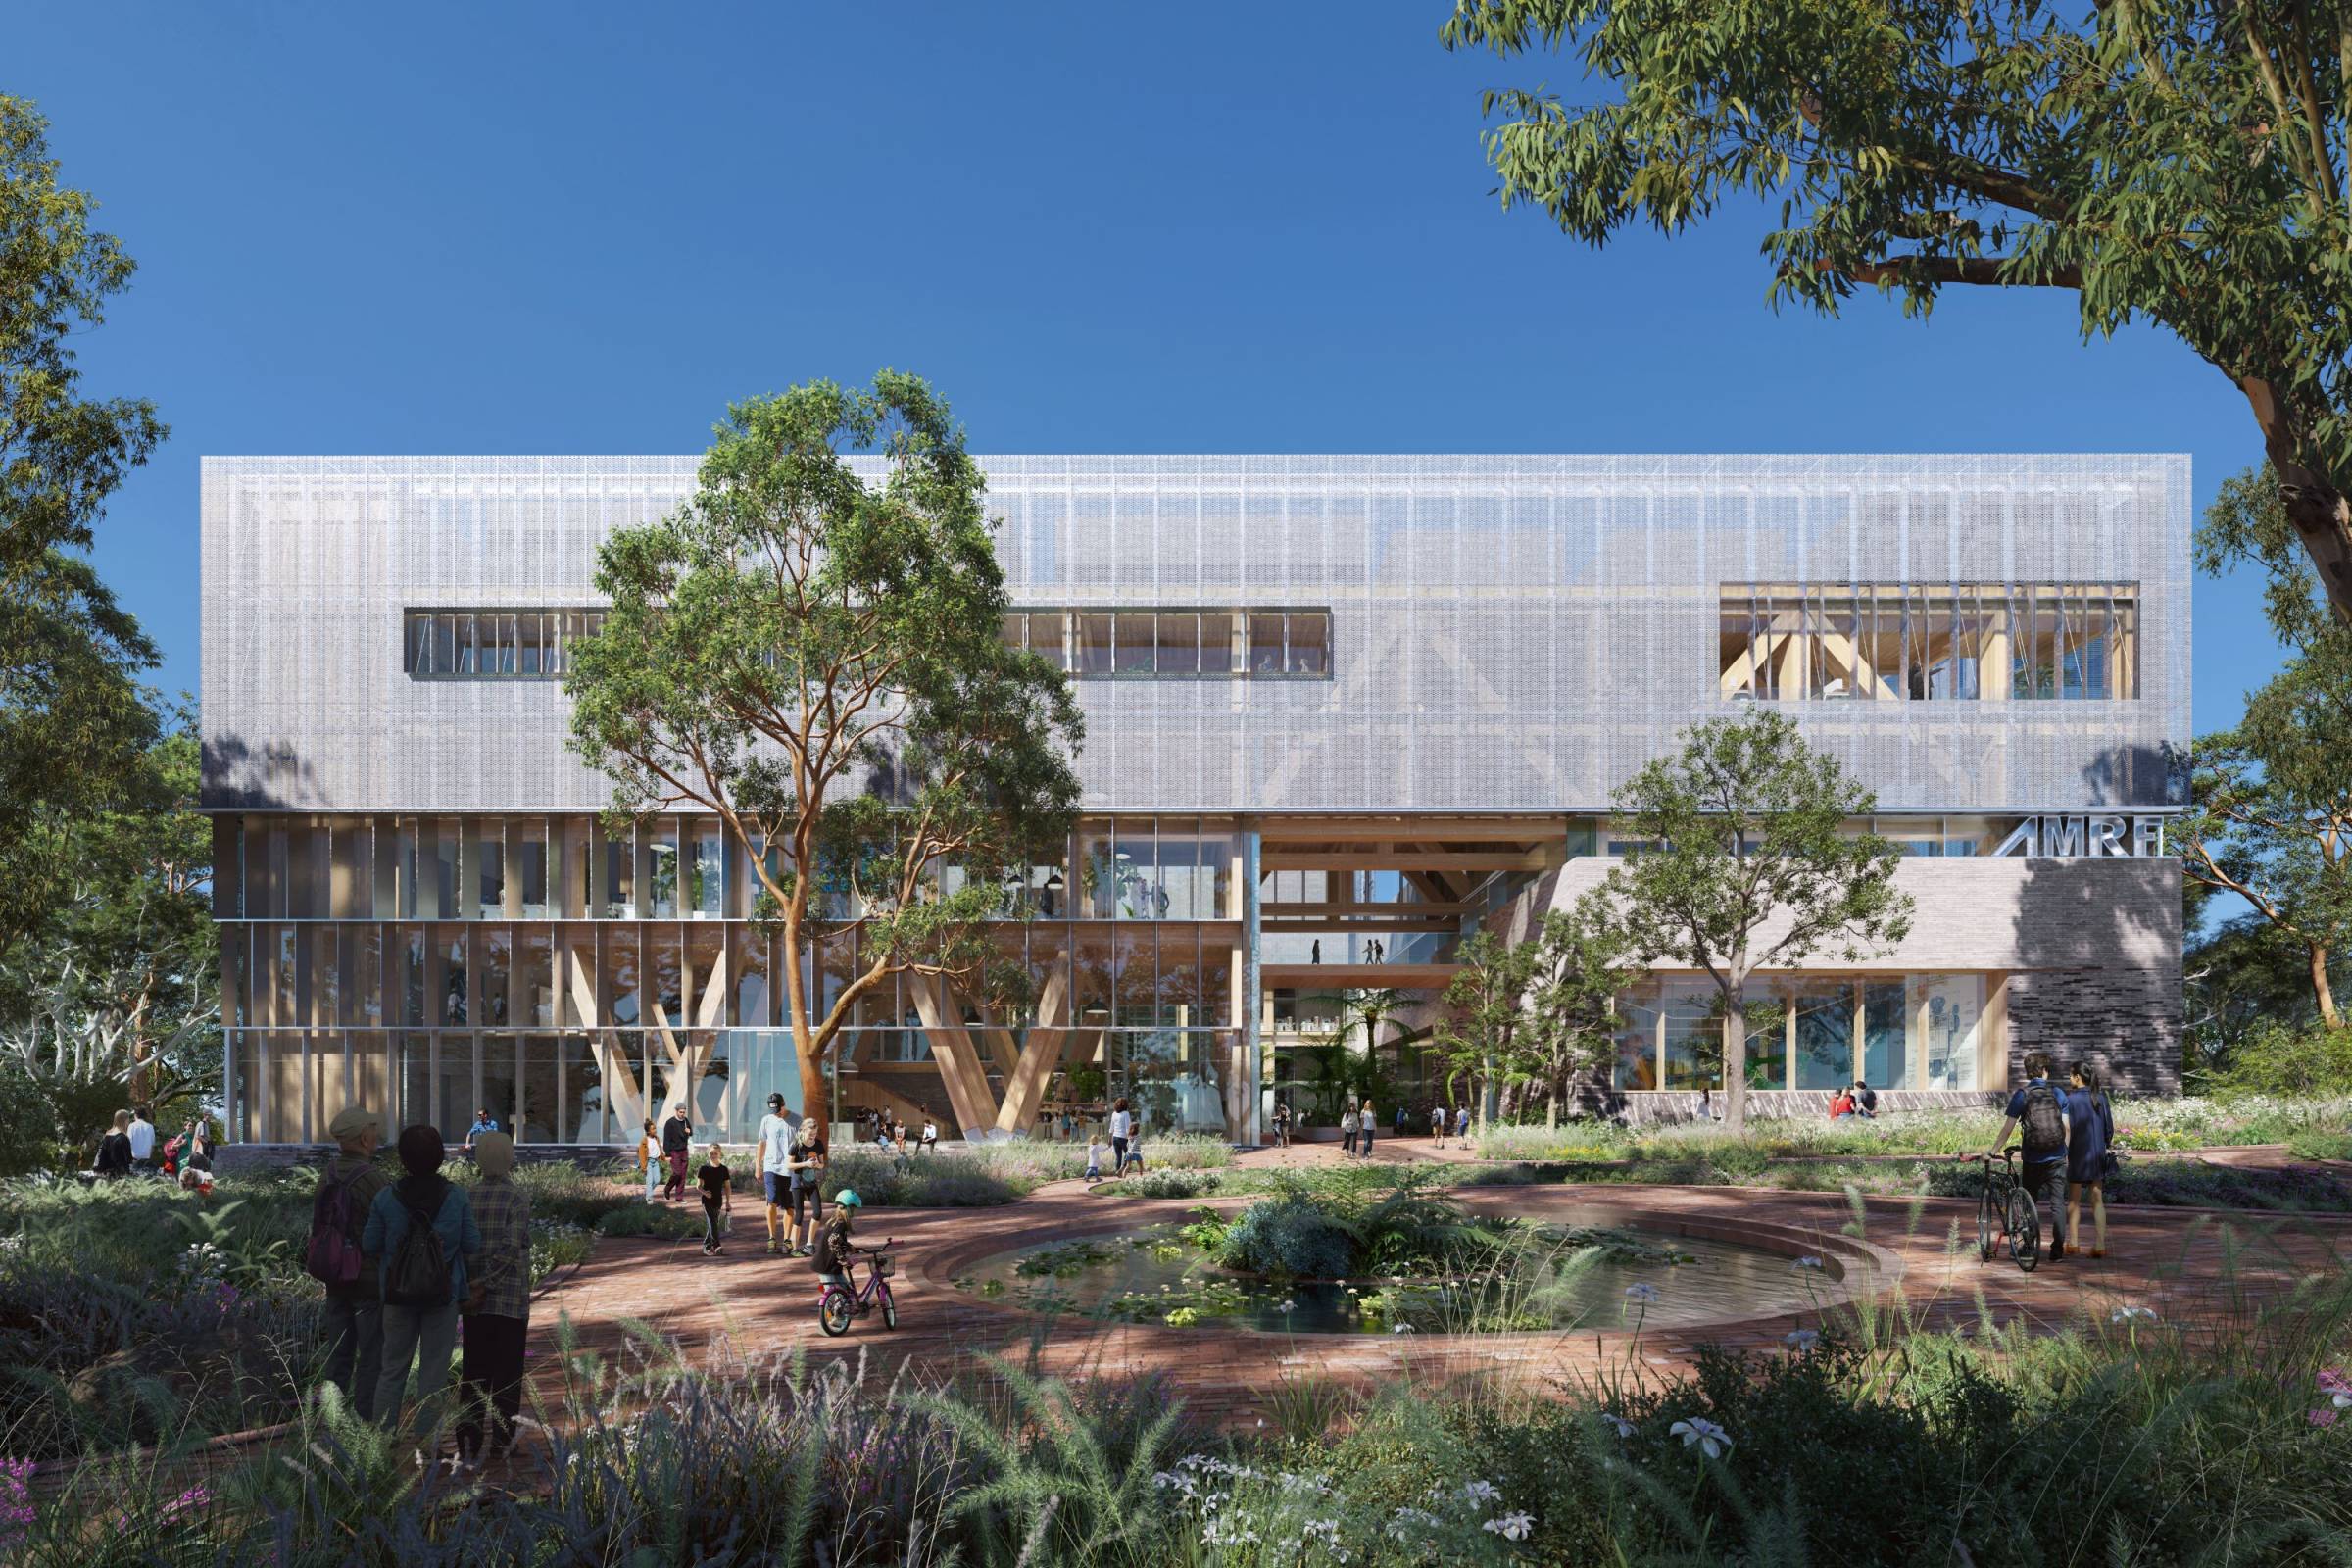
{"x":426,"y":229}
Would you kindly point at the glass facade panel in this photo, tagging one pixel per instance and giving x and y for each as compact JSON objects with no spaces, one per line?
{"x":709,"y":855}
{"x":1694,"y":1044}
{"x":1179,"y":638}
{"x":454,"y":1085}
{"x":526,"y":842}
{"x":1092,"y":648}
{"x":1825,"y":1035}
{"x":1887,"y":1058}
{"x":1309,"y":636}
{"x":1216,"y":644}
{"x":1135,"y":652}
{"x":1950,"y":1011}
{"x":1265,"y":645}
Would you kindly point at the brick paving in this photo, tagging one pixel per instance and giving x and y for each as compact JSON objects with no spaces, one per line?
{"x":2208,"y":1267}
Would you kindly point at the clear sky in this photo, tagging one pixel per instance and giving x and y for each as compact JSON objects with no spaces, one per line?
{"x":583,"y":228}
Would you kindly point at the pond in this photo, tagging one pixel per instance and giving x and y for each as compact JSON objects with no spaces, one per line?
{"x":1633,"y":1277}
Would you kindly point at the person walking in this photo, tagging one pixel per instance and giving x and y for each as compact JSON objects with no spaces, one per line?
{"x":650,"y":1163}
{"x":141,"y":1133}
{"x":1367,"y":1121}
{"x":355,"y":1305}
{"x":2039,"y":1111}
{"x":2089,"y":1153}
{"x":1094,"y":1158}
{"x":775,"y":1156}
{"x":718,"y":1185}
{"x":1436,"y":1126}
{"x":1348,"y":1128}
{"x":1401,"y":1118}
{"x":1316,"y":949}
{"x":806,"y":1163}
{"x":113,"y":1159}
{"x":498,"y":1306}
{"x":420,"y":1230}
{"x":1122,"y":1128}
{"x":1461,"y":1126}
{"x":677,"y":1148}
{"x":1282,"y":1124}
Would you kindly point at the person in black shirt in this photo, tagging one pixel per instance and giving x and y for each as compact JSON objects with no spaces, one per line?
{"x":677,"y":1145}
{"x":114,"y":1150}
{"x":718,"y":1192}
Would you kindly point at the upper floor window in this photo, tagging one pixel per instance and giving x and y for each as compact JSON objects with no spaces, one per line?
{"x":493,"y":644}
{"x":1916,"y":642}
{"x":1178,"y":644}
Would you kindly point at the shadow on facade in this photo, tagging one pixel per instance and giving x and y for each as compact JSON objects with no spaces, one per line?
{"x":2098,"y":945}
{"x":2125,"y":777}
{"x":269,"y":778}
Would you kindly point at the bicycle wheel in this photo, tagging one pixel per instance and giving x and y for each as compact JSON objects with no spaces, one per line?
{"x":2025,"y":1230}
{"x":833,"y":1312}
{"x":1988,"y":1225}
{"x":890,"y":1309}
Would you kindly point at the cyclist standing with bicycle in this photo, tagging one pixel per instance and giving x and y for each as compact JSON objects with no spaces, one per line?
{"x":2039,"y":1110}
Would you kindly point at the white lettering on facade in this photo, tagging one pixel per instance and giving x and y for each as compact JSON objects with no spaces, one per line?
{"x":2085,"y":836}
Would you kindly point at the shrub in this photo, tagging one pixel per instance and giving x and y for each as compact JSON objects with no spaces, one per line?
{"x":1167,"y":1183}
{"x":1290,"y":1237}
{"x":2275,"y":1059}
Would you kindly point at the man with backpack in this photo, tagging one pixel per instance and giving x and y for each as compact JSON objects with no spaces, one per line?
{"x":2039,"y":1110}
{"x":355,"y":1321}
{"x":421,"y":1231}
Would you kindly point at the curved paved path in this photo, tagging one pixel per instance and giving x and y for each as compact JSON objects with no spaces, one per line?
{"x":749,"y":1305}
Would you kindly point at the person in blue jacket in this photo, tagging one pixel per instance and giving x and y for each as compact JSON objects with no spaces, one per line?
{"x":419,"y":1331}
{"x":2089,"y":1136}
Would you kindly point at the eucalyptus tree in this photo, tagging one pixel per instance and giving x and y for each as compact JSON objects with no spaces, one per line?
{"x":1578,"y":969}
{"x":812,"y":652}
{"x":1482,"y":1011}
{"x":74,"y":723}
{"x":2173,"y":160}
{"x":1744,"y":861}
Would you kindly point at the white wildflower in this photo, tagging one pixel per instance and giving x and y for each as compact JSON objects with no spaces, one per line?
{"x":1511,"y":1526}
{"x":1803,"y":1339}
{"x":1644,"y":1293}
{"x":1710,"y":1438}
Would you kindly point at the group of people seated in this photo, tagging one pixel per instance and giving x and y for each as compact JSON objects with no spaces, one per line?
{"x":1856,"y":1098}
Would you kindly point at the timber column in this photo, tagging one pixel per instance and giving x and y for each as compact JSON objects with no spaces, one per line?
{"x":1252,"y":990}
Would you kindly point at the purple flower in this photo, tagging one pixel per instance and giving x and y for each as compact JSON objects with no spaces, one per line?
{"x":2325,"y":1416}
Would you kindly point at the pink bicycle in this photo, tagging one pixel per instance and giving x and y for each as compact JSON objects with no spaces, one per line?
{"x":836,"y":1305}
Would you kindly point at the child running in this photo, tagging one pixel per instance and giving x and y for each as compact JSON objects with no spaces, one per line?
{"x":1094,"y":1158}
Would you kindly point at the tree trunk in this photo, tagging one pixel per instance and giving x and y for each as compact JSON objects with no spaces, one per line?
{"x":2319,"y":510}
{"x":2321,"y":989}
{"x":1734,"y":1066}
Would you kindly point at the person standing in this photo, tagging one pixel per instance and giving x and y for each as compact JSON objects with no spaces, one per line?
{"x":1347,"y":1127}
{"x":1282,"y":1124}
{"x":677,"y":1147}
{"x":141,"y":1133}
{"x":422,"y":1233}
{"x":1367,"y":1122}
{"x":113,"y":1159}
{"x":1317,"y":952}
{"x":1122,"y":1128}
{"x":806,"y":1164}
{"x":775,"y":1171}
{"x":498,"y":1306}
{"x":2089,"y":1153}
{"x":717,"y":1184}
{"x":355,"y":1306}
{"x":1401,"y":1118}
{"x":2038,"y":1112}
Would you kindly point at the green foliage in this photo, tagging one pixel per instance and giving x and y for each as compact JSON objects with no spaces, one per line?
{"x":817,"y":661}
{"x":2165,"y":160}
{"x":1167,"y":1182}
{"x":73,"y":721}
{"x":1743,"y":828}
{"x":2275,"y":1059}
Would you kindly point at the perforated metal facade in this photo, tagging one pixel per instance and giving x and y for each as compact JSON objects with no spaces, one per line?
{"x":1507,"y":632}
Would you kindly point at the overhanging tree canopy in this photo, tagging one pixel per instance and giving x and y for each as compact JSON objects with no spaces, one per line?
{"x":2178,"y":160}
{"x":816,"y":660}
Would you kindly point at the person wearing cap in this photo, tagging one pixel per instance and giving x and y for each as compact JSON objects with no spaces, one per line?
{"x":355,"y":1312}
{"x":498,"y":1307}
{"x":775,"y":1172}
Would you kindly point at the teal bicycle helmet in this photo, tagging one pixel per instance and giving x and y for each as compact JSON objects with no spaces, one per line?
{"x":848,"y":1197}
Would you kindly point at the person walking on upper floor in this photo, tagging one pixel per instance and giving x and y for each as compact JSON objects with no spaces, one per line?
{"x":2089,"y":1153}
{"x":354,"y":1303}
{"x":677,"y":1148}
{"x":421,"y":1232}
{"x":650,"y":1163}
{"x":114,"y":1150}
{"x":498,"y":1304}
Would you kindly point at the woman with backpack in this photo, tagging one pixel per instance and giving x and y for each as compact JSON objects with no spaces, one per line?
{"x":421,"y":1231}
{"x":2089,"y":1153}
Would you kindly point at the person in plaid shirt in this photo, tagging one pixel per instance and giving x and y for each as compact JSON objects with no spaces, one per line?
{"x":498,"y":1310}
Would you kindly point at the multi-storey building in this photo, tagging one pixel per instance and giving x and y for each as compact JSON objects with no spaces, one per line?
{"x":1340,"y":711}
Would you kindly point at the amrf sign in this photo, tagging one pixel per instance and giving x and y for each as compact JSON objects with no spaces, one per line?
{"x":2072,"y":838}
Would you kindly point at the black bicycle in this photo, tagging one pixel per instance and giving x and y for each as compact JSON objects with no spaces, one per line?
{"x":2006,"y":1211}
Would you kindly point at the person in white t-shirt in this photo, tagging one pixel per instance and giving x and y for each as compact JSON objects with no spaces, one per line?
{"x":930,"y":1136}
{"x":774,"y":1154}
{"x":142,"y":1142}
{"x":1122,"y":1128}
